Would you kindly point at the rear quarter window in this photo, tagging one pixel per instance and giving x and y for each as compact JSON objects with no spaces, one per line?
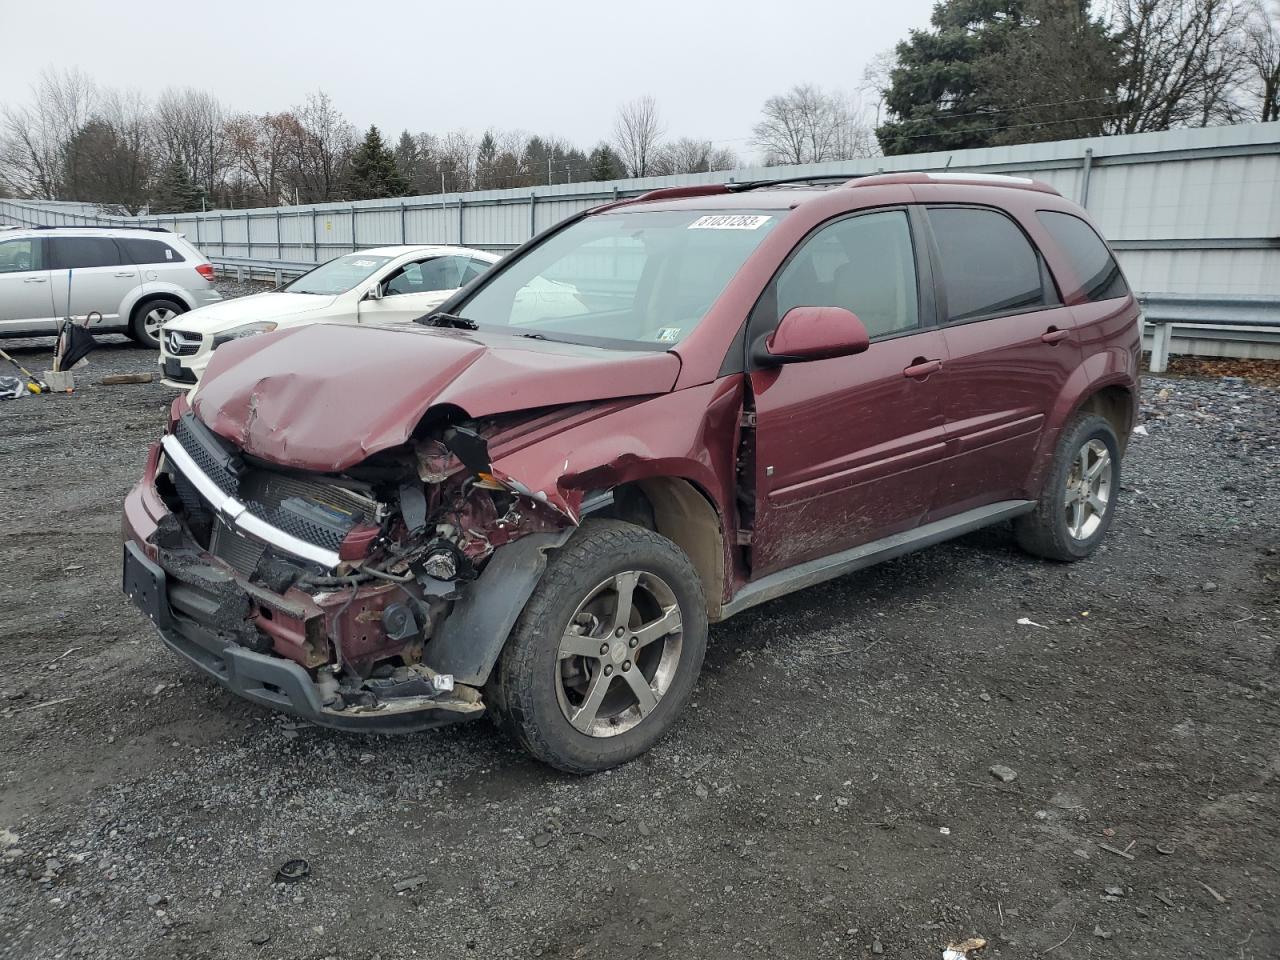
{"x":1096,"y":269}
{"x":139,"y":250}
{"x":988,"y":265}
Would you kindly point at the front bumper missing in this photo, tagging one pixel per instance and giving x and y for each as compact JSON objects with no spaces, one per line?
{"x":265,"y":679}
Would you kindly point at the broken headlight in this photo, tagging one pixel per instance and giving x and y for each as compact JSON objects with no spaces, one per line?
{"x":244,"y":330}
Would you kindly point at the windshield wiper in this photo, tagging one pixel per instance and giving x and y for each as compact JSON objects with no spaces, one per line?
{"x":447,"y":320}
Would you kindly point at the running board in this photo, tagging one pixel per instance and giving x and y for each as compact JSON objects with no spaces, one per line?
{"x":837,"y":565}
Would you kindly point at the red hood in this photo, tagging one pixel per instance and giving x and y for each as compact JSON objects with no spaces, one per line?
{"x":324,"y":397}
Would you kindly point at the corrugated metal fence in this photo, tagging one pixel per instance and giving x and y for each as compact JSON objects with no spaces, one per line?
{"x":1190,"y":212}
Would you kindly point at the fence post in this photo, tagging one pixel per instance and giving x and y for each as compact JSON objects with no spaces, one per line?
{"x":354,"y":246}
{"x":222,"y":233}
{"x":315,"y":239}
{"x":403,"y":235}
{"x":1161,"y":337}
{"x":1086,"y":168}
{"x":248,"y":239}
{"x":461,"y":203}
{"x":533,"y":202}
{"x":279,"y":243}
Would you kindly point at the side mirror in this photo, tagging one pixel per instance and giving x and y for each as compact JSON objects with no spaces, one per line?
{"x":813,"y":333}
{"x":375,"y":293}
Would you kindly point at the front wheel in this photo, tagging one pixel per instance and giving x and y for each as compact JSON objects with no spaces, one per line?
{"x":1078,"y":500}
{"x":607,"y":651}
{"x":150,"y":317}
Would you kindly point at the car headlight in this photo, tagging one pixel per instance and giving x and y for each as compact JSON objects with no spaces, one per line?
{"x":245,"y":330}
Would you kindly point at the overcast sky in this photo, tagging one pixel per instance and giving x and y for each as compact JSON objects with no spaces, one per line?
{"x":556,"y":68}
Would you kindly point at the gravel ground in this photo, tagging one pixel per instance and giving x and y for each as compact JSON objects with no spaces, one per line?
{"x":829,"y":794}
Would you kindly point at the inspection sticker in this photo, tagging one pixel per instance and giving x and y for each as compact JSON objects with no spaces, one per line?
{"x":730,"y":221}
{"x":669,"y":334}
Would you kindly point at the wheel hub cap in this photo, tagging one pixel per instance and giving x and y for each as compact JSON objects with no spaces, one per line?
{"x":1089,"y":490}
{"x":619,"y":654}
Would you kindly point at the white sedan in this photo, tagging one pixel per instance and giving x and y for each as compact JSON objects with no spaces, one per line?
{"x":381,"y":285}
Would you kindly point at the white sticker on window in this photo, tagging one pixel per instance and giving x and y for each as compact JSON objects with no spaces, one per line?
{"x":730,"y":221}
{"x":669,"y":334}
{"x":364,"y":263}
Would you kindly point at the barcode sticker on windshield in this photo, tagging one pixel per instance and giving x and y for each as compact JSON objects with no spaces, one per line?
{"x":730,"y":221}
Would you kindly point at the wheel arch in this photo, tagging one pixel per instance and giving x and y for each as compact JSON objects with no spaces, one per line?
{"x":151,"y":296}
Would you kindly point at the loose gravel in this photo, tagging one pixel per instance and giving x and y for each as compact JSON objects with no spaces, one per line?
{"x":964,"y":742}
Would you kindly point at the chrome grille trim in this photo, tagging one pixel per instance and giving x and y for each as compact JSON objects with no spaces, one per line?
{"x":237,"y":514}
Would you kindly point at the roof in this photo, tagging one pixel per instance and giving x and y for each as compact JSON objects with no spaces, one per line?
{"x":437,"y":249}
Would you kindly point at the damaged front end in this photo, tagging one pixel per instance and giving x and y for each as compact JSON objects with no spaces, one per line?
{"x":374,"y":598}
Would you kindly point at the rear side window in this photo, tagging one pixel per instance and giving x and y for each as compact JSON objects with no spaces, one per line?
{"x":20,"y":256}
{"x":79,"y":253}
{"x":1095,"y":268}
{"x":988,"y":265}
{"x":138,"y":250}
{"x":865,"y":264}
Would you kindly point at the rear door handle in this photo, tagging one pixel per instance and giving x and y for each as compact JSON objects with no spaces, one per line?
{"x":126,"y":274}
{"x":36,"y":280}
{"x":921,"y":368}
{"x":1054,"y":335}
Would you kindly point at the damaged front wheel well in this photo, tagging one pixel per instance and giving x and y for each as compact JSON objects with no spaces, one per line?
{"x":681,"y":512}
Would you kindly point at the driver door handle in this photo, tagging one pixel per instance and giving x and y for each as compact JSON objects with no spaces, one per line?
{"x":921,"y":368}
{"x":1054,"y":335}
{"x":36,"y":280}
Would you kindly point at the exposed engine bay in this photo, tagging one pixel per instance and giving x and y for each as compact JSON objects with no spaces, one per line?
{"x":348,"y":574}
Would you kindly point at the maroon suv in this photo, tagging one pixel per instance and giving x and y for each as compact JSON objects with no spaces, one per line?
{"x":653,"y":416}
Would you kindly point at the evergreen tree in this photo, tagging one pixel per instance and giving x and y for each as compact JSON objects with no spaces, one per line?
{"x":374,"y":173}
{"x":604,"y":163}
{"x":999,"y":71}
{"x":174,"y":191}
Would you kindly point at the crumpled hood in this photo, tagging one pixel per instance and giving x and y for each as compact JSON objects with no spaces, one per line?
{"x":324,"y":397}
{"x":261,"y":306}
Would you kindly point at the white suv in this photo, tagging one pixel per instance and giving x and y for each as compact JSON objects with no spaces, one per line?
{"x":134,"y":278}
{"x":381,"y":285}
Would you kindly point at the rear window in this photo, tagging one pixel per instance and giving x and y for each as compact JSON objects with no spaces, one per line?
{"x":1099,"y":274}
{"x":80,"y":253}
{"x":988,"y":265}
{"x":139,"y":250}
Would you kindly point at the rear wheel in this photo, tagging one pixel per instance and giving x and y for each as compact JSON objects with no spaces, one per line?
{"x":150,"y":317}
{"x":1079,"y":496}
{"x":607,"y":651}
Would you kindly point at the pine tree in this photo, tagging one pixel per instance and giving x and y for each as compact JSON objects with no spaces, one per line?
{"x":603,"y":163}
{"x":174,"y":191}
{"x":374,"y":173}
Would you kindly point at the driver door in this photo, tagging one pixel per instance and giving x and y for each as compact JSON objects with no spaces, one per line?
{"x":415,"y":289}
{"x":848,"y":448}
{"x":26,"y":289}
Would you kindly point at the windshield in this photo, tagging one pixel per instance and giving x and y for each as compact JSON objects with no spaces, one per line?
{"x":336,"y":276}
{"x":628,"y":279}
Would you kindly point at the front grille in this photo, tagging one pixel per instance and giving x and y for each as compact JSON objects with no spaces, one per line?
{"x":241,"y":553}
{"x":205,"y":458}
{"x":316,"y":512}
{"x":182,"y":344}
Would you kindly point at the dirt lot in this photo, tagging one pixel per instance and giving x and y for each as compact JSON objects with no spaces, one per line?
{"x":829,"y":795}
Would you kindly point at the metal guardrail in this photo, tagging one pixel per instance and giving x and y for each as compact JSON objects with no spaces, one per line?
{"x":1239,"y":319}
{"x":245,"y":268}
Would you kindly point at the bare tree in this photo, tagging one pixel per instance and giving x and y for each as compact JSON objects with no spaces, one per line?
{"x":808,"y":125}
{"x":636,"y":133}
{"x":33,"y":139}
{"x":1182,"y":62}
{"x":325,"y":149}
{"x":266,"y":150}
{"x":1262,"y":60}
{"x":687,"y":155}
{"x":877,"y":77}
{"x":188,"y":130}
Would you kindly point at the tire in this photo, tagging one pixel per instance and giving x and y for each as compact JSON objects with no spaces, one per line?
{"x":565,"y":659}
{"x":149,"y":316}
{"x":1055,"y":530}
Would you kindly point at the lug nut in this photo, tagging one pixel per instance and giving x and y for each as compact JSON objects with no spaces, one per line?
{"x":626,"y":665}
{"x":604,"y":649}
{"x":633,"y":642}
{"x":608,"y":671}
{"x":618,"y":632}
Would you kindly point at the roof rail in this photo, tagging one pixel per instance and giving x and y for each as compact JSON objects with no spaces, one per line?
{"x":954,"y":177}
{"x":841,"y":178}
{"x":96,"y":226}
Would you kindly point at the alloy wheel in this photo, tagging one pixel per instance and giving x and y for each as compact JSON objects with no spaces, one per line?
{"x":154,"y":320}
{"x":619,"y":654}
{"x":1088,"y":490}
